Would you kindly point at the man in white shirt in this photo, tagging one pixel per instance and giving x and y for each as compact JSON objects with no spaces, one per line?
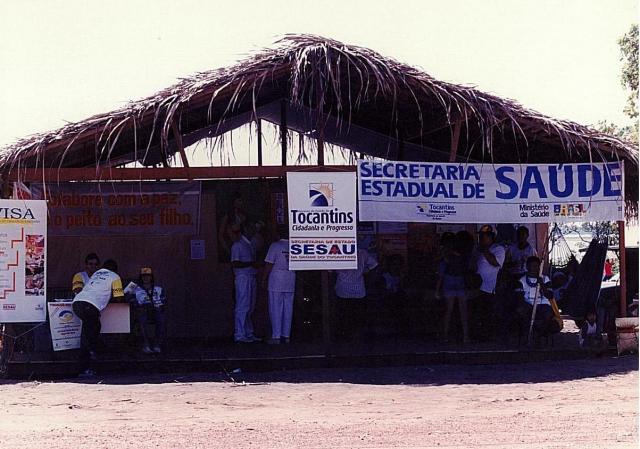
{"x":351,"y":306}
{"x":535,"y":288}
{"x":80,"y":279}
{"x":245,"y":269}
{"x":281,"y":288}
{"x":489,"y":258}
{"x":90,"y":302}
{"x":518,"y":253}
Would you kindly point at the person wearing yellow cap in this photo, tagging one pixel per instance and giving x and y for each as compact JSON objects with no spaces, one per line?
{"x":150,"y":300}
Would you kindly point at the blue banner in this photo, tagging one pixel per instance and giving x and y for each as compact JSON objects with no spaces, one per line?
{"x":488,"y":193}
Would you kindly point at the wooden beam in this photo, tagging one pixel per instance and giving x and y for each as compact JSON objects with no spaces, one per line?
{"x":178,"y":138}
{"x":283,"y":130}
{"x":320,"y":142}
{"x":150,"y":174}
{"x":259,"y":132}
{"x":622,"y":258}
{"x":455,"y":138}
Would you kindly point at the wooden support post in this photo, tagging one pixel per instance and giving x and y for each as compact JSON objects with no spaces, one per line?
{"x":622,"y":257}
{"x":259,"y":133}
{"x":178,"y":138}
{"x":283,"y":131}
{"x":324,"y":275}
{"x":321,"y":147}
{"x":326,"y":307}
{"x":7,"y":186}
{"x":455,"y":138}
{"x":401,"y":155}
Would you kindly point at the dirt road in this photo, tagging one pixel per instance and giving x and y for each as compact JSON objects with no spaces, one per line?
{"x":583,"y":404}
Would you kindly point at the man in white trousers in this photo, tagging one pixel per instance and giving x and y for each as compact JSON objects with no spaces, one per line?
{"x":243,"y":261}
{"x":281,"y":287}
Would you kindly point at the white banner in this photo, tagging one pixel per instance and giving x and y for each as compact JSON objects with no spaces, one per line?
{"x":486,"y":193}
{"x":65,"y":326}
{"x":23,"y":255}
{"x":322,"y":221}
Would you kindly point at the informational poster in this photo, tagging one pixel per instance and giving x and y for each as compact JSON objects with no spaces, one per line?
{"x":490,"y":193}
{"x":23,"y":259}
{"x":197,"y":249}
{"x":125,"y":208}
{"x":66,"y":327}
{"x":322,"y":221}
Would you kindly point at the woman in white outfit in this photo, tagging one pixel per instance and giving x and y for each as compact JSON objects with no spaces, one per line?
{"x":281,"y":286}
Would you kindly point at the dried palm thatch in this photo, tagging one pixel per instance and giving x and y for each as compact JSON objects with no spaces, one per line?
{"x":349,"y":84}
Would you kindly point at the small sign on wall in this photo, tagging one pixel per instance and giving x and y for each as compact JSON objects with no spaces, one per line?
{"x":197,"y":250}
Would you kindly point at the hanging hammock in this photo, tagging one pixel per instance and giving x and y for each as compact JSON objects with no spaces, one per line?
{"x":560,"y":253}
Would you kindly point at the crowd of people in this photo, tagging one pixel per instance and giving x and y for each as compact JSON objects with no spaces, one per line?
{"x":96,"y":286}
{"x":494,"y":287}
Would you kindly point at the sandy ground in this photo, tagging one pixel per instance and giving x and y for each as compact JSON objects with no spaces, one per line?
{"x":578,"y":404}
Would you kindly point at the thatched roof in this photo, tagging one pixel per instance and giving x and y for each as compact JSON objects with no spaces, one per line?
{"x":326,"y":84}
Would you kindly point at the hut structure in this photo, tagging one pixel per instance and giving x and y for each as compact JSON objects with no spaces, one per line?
{"x":321,"y":95}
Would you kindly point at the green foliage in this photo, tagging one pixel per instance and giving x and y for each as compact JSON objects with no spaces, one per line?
{"x":628,"y":133}
{"x":629,"y":56}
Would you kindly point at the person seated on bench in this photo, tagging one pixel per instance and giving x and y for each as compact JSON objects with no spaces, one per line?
{"x":150,"y":299}
{"x":532,"y":284}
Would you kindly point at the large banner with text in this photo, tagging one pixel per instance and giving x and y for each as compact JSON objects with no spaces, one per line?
{"x":127,"y":208}
{"x":23,"y":259}
{"x":322,"y":221}
{"x":487,"y":193}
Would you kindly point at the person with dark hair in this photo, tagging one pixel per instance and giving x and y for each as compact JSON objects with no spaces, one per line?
{"x":245,"y":269}
{"x":590,"y":339}
{"x":536,"y":288}
{"x":395,"y":300}
{"x":489,"y":258}
{"x":281,"y":286}
{"x":451,"y":283}
{"x":350,"y":306}
{"x":518,"y":253}
{"x":90,"y":302}
{"x":150,"y":300}
{"x":234,"y":218}
{"x":80,"y":279}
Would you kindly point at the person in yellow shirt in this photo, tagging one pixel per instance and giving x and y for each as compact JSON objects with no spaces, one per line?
{"x":90,"y":302}
{"x":80,"y":279}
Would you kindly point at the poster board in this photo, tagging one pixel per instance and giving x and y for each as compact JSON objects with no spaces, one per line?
{"x":116,"y":319}
{"x":322,"y":220}
{"x":65,"y":326}
{"x":23,"y":259}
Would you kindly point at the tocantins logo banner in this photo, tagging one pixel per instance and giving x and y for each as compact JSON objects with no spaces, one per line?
{"x":322,"y":221}
{"x":487,"y":193}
